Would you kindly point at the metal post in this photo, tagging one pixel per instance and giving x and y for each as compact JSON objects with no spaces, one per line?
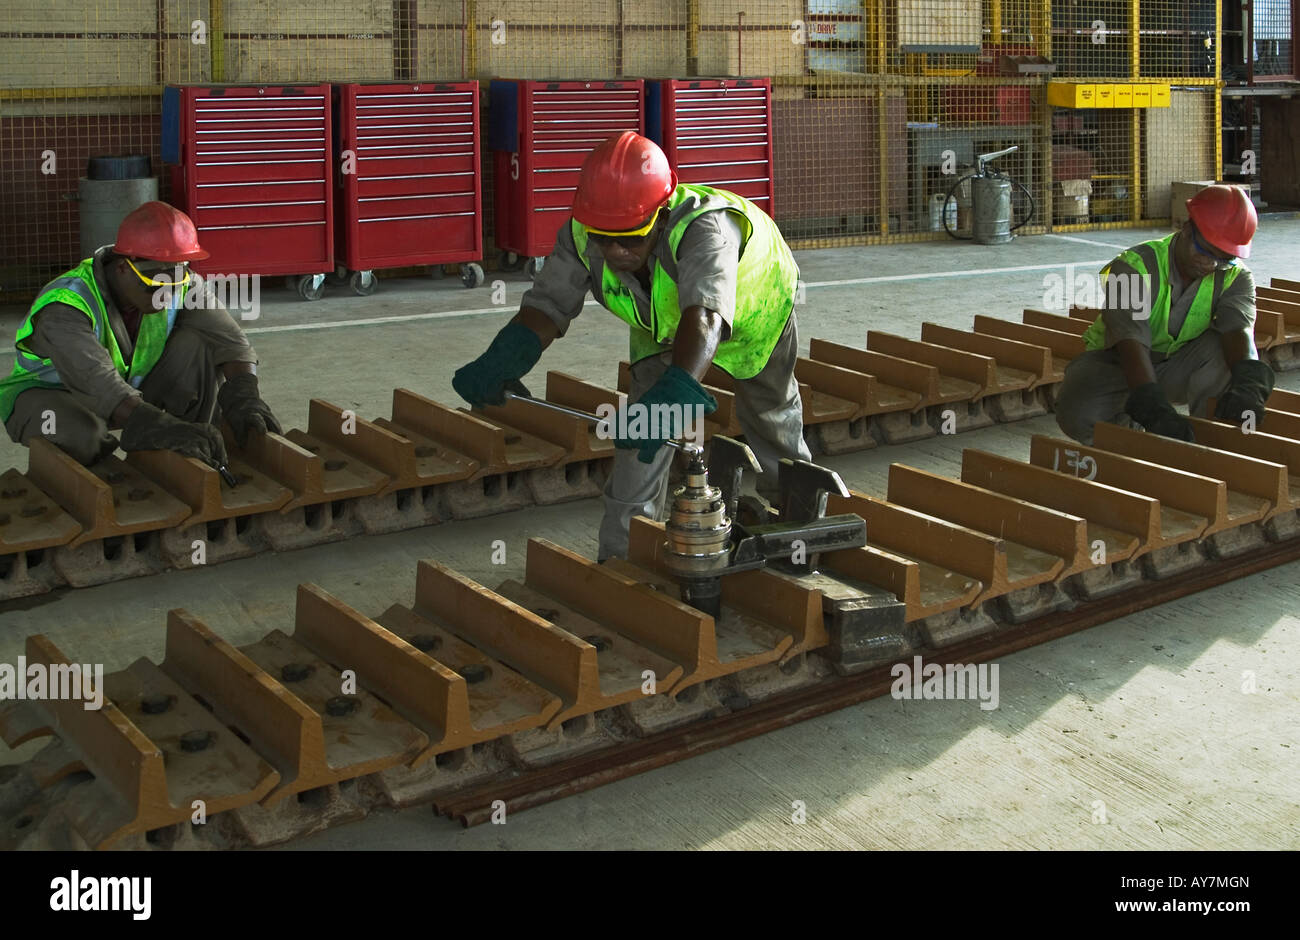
{"x":882,"y":121}
{"x":1247,"y":14}
{"x":471,"y":38}
{"x":217,"y":44}
{"x":692,"y":37}
{"x":1135,"y":114}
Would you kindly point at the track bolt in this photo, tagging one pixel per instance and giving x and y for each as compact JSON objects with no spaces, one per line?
{"x":332,"y":465}
{"x":601,"y":643}
{"x":114,"y":476}
{"x":424,"y":641}
{"x":27,"y":512}
{"x":294,"y":672}
{"x":340,"y":706}
{"x":474,"y":672}
{"x":138,"y":494}
{"x":155,"y":704}
{"x":195,"y":741}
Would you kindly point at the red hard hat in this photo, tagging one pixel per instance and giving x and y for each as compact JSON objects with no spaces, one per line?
{"x":158,"y":232}
{"x":623,"y":182}
{"x":1226,"y":217}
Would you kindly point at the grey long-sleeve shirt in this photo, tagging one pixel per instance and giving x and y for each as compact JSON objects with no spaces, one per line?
{"x":65,"y":336}
{"x":708,"y":259}
{"x":1235,"y":309}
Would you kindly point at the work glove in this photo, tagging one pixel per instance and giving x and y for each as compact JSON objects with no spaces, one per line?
{"x":244,"y":409}
{"x":1248,"y":390}
{"x":151,"y":428}
{"x":1148,"y":406}
{"x":512,"y":353}
{"x":675,"y":387}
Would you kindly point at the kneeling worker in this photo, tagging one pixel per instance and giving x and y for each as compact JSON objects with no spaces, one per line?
{"x":701,"y":276}
{"x":113,"y":344}
{"x":1185,"y":334}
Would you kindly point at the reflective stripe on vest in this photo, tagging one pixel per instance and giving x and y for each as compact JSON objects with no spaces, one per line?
{"x":1199,"y":315}
{"x":765,"y":283}
{"x":77,"y":289}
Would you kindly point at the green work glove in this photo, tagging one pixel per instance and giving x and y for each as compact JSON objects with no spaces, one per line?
{"x":1248,"y":390}
{"x":513,"y":352}
{"x":242,"y":406}
{"x":1148,"y":406}
{"x":151,"y":428}
{"x":675,"y":387}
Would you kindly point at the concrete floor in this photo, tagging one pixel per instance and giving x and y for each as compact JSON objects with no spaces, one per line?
{"x":1144,"y":714}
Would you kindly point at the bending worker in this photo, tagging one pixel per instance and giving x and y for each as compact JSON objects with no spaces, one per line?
{"x":1177,"y":326}
{"x":113,"y":343}
{"x":701,"y":276}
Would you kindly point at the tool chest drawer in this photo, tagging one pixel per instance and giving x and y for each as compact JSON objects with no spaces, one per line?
{"x":541,"y":132}
{"x":716,"y":132}
{"x":254,"y":174}
{"x":410,"y":183}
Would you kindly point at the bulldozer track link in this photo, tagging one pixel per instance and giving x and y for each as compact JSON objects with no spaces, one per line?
{"x":581,"y":673}
{"x":346,"y":475}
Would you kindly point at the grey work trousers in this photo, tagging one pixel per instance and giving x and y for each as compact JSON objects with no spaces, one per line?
{"x":770,"y":413}
{"x":1095,"y":388}
{"x":183,"y":382}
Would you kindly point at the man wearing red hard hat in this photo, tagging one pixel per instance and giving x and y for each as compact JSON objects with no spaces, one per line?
{"x":114,"y":344}
{"x":701,"y":276}
{"x":1181,"y":330}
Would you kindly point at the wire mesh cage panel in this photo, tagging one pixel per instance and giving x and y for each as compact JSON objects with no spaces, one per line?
{"x":1269,"y":40}
{"x":409,"y":181}
{"x":876,"y":106}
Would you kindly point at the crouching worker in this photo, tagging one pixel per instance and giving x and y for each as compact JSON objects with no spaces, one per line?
{"x":113,"y":344}
{"x":1177,"y":327}
{"x":701,"y":276}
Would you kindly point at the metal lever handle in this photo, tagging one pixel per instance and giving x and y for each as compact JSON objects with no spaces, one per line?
{"x":684,"y":446}
{"x":986,"y":158}
{"x":232,"y":481}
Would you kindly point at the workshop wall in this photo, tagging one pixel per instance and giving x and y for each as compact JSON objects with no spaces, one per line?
{"x":878,"y":106}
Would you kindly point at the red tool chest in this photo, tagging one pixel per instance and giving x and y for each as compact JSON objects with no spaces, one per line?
{"x":541,"y":132}
{"x":254,"y":173}
{"x":410,"y":188}
{"x":717,"y":132}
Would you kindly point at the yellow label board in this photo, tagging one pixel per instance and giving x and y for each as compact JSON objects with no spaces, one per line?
{"x":1071,"y":95}
{"x":1106,"y":95}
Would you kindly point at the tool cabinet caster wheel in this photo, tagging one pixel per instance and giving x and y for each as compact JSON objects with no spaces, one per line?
{"x":291,"y":282}
{"x":310,"y":286}
{"x":363,"y":283}
{"x":533,"y":266}
{"x":509,"y":261}
{"x":436,"y":272}
{"x":471,"y":275}
{"x":339,"y":276}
